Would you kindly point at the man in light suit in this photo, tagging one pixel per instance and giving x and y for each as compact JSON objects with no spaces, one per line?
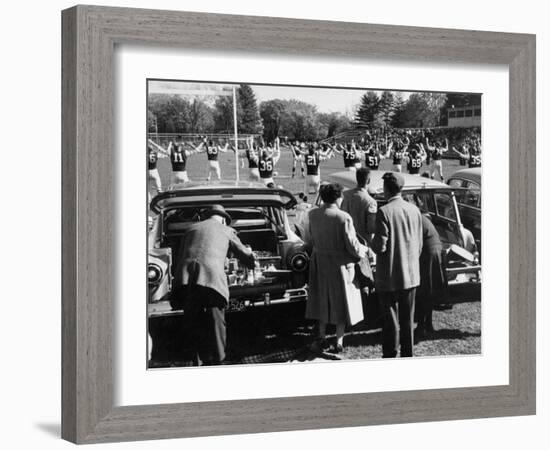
{"x":362,"y":208}
{"x":200,"y":282}
{"x":398,"y":244}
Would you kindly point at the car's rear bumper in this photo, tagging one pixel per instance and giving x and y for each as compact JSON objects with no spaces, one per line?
{"x":163,"y":308}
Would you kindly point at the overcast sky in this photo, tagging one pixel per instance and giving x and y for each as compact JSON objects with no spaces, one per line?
{"x":326,"y":99}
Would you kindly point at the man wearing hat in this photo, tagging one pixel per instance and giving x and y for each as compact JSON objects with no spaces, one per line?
{"x":200,"y":282}
{"x":398,"y":243}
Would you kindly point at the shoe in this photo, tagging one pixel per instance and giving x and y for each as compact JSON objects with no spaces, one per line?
{"x":318,"y":345}
{"x":336,"y":348}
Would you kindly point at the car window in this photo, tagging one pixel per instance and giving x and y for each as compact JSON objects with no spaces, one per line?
{"x":460,"y":194}
{"x":423,"y":200}
{"x":455,"y":182}
{"x":445,"y":205}
{"x":472,"y":197}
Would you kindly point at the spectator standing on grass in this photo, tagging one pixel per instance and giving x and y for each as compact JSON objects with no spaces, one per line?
{"x":200,"y":282}
{"x":433,"y":280}
{"x":333,"y":298}
{"x":398,"y":243}
{"x":362,"y":208}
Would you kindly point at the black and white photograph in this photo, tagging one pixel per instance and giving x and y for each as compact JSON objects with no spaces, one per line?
{"x":302,"y":224}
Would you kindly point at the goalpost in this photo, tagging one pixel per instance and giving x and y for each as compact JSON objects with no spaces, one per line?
{"x":204,"y":90}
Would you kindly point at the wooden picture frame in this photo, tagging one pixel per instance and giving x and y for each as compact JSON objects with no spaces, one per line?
{"x":90,"y":34}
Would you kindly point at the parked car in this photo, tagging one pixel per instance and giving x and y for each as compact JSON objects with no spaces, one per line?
{"x":258,"y":214}
{"x":438,"y":200}
{"x":467,"y":184}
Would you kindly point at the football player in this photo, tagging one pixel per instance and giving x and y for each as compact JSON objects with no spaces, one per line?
{"x":436,"y":156}
{"x":212,"y":153}
{"x":268,"y":159}
{"x":178,"y":158}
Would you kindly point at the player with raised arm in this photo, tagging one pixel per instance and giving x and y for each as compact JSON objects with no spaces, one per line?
{"x":268,"y":158}
{"x":178,"y":158}
{"x":436,"y":155}
{"x":297,"y":158}
{"x":251,"y":154}
{"x":399,"y":148}
{"x":153,"y":152}
{"x":313,"y":157}
{"x":212,"y":153}
{"x":475,"y":157}
{"x":377,"y":152}
{"x":415,"y":157}
{"x":472,"y":154}
{"x":350,"y":154}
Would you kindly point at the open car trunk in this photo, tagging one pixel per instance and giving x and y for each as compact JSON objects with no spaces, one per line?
{"x":265,"y":230}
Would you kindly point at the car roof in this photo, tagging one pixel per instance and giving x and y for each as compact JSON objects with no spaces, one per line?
{"x":229,"y":184}
{"x":227,"y":193}
{"x":470,"y":174}
{"x":412,"y":182}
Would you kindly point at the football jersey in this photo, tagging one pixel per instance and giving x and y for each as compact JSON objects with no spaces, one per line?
{"x":265,"y":166}
{"x":437,"y":154}
{"x":372,"y":160}
{"x":252,"y":159}
{"x":212,"y":153}
{"x":312,"y":163}
{"x":178,"y":158}
{"x":397,"y":156}
{"x":474,"y":160}
{"x":152,"y":159}
{"x":350,"y":156}
{"x":414,"y":164}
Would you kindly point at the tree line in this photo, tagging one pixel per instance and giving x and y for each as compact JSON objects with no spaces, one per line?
{"x":295,"y":119}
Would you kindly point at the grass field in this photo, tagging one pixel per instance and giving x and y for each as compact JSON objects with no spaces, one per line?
{"x":458,"y":329}
{"x":269,"y":337}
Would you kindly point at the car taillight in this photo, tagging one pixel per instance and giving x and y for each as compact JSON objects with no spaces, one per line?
{"x":298,"y":262}
{"x":154,"y":274}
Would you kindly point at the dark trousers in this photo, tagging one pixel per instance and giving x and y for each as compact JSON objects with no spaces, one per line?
{"x":424,"y":305}
{"x":204,"y":309}
{"x":398,"y":312}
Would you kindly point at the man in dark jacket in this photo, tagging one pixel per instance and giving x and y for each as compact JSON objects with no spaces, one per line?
{"x":398,"y":244}
{"x":200,"y":282}
{"x":433,"y":279}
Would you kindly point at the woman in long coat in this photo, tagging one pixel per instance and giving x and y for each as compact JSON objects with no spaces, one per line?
{"x":333,"y":298}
